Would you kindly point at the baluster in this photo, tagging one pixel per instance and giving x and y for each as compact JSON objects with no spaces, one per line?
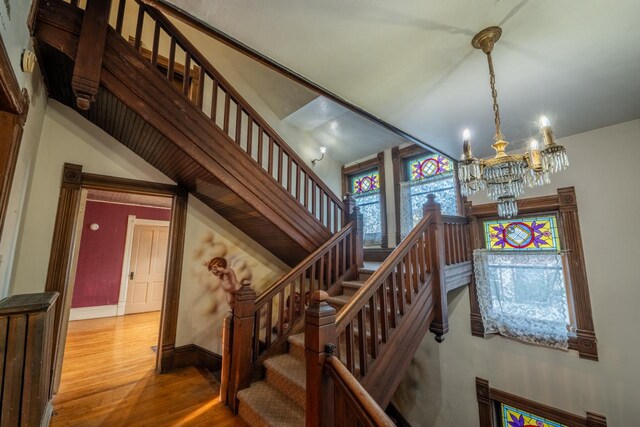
{"x":306,"y":190}
{"x":200,"y":96}
{"x":344,"y":254}
{"x":314,"y":206}
{"x":329,"y":226}
{"x":373,"y":323}
{"x":137,"y":42}
{"x":227,"y":111}
{"x":280,"y":163}
{"x":156,"y":42}
{"x":421,"y":268}
{"x":337,"y":260}
{"x":329,"y":269}
{"x":214,"y":99}
{"x":281,"y":308}
{"x":321,"y":285}
{"x":298,"y":183}
{"x":186,"y":81}
{"x":260,"y":147}
{"x":398,"y":289}
{"x":249,"y":135}
{"x":393,"y":300}
{"x":289,"y":166}
{"x":414,"y":267}
{"x":349,"y":348}
{"x":362,"y":343}
{"x":172,"y":59}
{"x":268,"y":323}
{"x":384,"y":314}
{"x":312,"y":282}
{"x":336,"y":218}
{"x":292,"y":302}
{"x":256,"y":335}
{"x":270,"y":156}
{"x":239,"y":124}
{"x":120,"y":18}
{"x":321,"y":207}
{"x":407,"y":277}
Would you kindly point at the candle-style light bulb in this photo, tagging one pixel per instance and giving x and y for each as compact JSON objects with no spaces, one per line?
{"x":466,"y":146}
{"x":466,"y":135}
{"x":323,"y":150}
{"x":544,"y":122}
{"x":535,"y":156}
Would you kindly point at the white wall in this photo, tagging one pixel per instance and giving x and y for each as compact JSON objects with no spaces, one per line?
{"x":15,"y":36}
{"x":439,"y":389}
{"x":69,"y":138}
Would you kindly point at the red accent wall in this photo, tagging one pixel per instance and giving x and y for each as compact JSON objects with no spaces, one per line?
{"x":102,"y":251}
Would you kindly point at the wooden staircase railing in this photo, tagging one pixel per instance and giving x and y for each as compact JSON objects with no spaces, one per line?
{"x":259,"y":326}
{"x":375,"y":335}
{"x":212,"y":94}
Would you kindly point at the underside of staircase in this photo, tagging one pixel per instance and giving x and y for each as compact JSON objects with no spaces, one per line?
{"x":142,"y":110}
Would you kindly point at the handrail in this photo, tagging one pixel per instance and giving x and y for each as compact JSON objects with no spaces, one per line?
{"x":361,"y":298}
{"x":304,"y":264}
{"x":362,"y":407}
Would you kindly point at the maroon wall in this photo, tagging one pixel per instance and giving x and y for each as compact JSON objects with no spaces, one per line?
{"x":102,"y":252}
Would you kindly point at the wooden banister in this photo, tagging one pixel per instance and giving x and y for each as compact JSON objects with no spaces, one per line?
{"x":358,"y":404}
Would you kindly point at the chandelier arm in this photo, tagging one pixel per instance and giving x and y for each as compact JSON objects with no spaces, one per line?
{"x":494,"y":95}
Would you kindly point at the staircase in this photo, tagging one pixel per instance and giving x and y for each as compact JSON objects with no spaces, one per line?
{"x":184,"y":118}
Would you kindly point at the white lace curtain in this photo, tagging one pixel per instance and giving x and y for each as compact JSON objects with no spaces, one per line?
{"x":522,"y":295}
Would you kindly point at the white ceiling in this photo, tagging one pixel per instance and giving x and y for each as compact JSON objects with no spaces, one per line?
{"x":411,"y":62}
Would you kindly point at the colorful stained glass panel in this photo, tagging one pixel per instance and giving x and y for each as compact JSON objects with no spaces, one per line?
{"x":428,"y":165}
{"x":512,"y":417}
{"x":365,"y":182}
{"x":539,"y":233}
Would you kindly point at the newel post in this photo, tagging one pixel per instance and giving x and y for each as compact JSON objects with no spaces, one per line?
{"x":358,"y":249}
{"x":241,"y":339}
{"x":440,"y":324}
{"x":319,"y":342}
{"x":225,"y":371}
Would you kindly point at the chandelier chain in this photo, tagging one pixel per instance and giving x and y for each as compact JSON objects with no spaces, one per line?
{"x":494,"y":95}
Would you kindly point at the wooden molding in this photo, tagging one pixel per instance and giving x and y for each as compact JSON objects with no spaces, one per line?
{"x":564,"y":206}
{"x":194,"y":355}
{"x":375,"y":162}
{"x":72,"y":182}
{"x":487,"y":398}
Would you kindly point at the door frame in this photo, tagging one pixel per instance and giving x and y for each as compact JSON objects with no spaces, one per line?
{"x":132,"y":222}
{"x":73,"y":181}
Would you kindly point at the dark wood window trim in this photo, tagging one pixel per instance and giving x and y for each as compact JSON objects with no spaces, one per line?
{"x":14,"y":106}
{"x":376,"y":162}
{"x":487,"y":398}
{"x":60,"y":260}
{"x":398,"y":156}
{"x":564,"y":206}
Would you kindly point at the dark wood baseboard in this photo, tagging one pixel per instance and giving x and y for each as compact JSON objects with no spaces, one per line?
{"x":397,"y":416}
{"x":194,"y":355}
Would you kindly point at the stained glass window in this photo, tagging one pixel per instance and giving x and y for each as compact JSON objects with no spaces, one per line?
{"x":365,"y":187}
{"x":366,"y":182}
{"x":512,"y":417}
{"x":427,"y":165}
{"x":539,"y":233}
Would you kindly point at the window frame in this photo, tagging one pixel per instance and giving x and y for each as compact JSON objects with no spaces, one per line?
{"x":350,"y":171}
{"x":564,"y":206}
{"x":489,"y":398}
{"x":399,"y":156}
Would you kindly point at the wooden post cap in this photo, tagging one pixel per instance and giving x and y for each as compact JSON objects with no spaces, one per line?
{"x":319,"y":297}
{"x":431,"y":199}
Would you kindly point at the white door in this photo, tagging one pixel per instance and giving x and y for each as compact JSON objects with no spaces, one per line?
{"x":146,"y":269}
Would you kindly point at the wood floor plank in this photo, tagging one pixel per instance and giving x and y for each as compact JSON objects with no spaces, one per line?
{"x":109,"y":379}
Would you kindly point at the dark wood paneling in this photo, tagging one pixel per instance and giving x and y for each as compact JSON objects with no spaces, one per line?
{"x":26,"y":323}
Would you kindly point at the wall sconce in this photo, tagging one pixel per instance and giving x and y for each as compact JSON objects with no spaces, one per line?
{"x":323,"y":150}
{"x":94,"y":227}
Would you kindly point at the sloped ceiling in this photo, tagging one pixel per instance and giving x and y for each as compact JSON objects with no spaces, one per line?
{"x":411,"y":62}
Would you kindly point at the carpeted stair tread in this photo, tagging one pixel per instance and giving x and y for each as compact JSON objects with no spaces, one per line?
{"x":353,"y":284}
{"x":262,"y":405}
{"x":288,"y":374}
{"x":339,"y":300}
{"x":296,"y":346}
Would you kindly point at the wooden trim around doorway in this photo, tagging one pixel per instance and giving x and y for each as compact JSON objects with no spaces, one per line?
{"x":60,"y":260}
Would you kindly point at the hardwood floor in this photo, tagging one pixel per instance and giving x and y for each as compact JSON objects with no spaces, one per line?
{"x":109,"y":379}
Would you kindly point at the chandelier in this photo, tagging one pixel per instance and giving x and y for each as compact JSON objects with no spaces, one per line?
{"x":505,"y":175}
